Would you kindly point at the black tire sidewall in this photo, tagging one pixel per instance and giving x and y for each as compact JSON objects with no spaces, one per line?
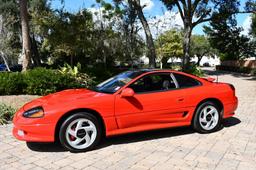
{"x":196,"y":124}
{"x":63,"y":128}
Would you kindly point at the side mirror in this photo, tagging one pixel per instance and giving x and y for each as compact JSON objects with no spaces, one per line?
{"x":127,"y":92}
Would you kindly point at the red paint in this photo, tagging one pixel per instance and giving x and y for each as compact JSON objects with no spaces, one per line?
{"x":124,"y":111}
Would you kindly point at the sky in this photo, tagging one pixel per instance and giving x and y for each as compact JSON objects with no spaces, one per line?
{"x":156,"y":14}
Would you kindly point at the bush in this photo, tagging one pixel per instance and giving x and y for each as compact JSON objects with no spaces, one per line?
{"x":11,"y":83}
{"x":102,"y":73}
{"x":40,"y":81}
{"x":253,"y":71}
{"x":195,"y":71}
{"x":6,"y":113}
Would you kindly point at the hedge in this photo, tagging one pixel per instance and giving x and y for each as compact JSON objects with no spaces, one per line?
{"x":40,"y":81}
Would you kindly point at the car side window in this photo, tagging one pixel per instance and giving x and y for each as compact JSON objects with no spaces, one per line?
{"x":185,"y":81}
{"x":154,"y":82}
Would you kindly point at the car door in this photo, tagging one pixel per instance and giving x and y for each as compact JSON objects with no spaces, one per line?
{"x":193,"y":90}
{"x":156,"y":102}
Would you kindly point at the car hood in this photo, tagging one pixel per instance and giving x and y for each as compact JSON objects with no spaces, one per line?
{"x":62,"y":96}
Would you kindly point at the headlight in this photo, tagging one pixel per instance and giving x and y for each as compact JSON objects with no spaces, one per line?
{"x":36,"y":112}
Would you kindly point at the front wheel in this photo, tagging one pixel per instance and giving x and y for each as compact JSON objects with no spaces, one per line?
{"x":207,"y":118}
{"x":80,"y":132}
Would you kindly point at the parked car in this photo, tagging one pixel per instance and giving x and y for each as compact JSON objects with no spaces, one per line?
{"x":3,"y":67}
{"x":132,"y":101}
{"x":16,"y":68}
{"x":206,"y":64}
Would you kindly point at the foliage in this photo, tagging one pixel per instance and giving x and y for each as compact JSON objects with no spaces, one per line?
{"x":11,"y":83}
{"x":81,"y":78}
{"x":58,"y":36}
{"x":225,"y":36}
{"x":6,"y":113}
{"x":69,"y":37}
{"x":67,"y":69}
{"x":105,"y":34}
{"x":200,"y":47}
{"x":253,"y":71}
{"x":40,"y":81}
{"x":195,"y":70}
{"x":129,"y":26}
{"x":196,"y":12}
{"x":135,"y":10}
{"x":98,"y":73}
{"x":253,"y":26}
{"x":9,"y":30}
{"x":169,"y":45}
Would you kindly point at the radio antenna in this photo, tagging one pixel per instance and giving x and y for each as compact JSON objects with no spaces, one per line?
{"x":217,"y":74}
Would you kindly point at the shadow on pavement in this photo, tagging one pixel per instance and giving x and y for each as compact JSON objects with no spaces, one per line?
{"x":146,"y":136}
{"x":232,"y":121}
{"x":130,"y":138}
{"x":45,"y":147}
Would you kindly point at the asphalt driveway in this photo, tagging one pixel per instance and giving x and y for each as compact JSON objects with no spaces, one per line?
{"x":233,"y":147}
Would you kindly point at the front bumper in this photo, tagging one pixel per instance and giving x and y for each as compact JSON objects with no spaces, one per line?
{"x":34,"y":133}
{"x":32,"y":129}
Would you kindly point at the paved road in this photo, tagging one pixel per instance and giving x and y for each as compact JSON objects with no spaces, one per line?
{"x":234,"y":147}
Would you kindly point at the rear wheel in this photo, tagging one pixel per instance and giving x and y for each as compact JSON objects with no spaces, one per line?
{"x":80,"y":132}
{"x":207,"y":118}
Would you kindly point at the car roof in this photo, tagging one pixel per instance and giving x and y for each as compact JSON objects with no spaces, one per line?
{"x":144,"y":71}
{"x":152,"y":70}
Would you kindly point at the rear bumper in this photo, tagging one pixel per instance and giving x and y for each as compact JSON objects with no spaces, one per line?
{"x":230,"y":108}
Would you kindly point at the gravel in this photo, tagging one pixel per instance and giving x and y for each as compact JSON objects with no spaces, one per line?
{"x":17,"y":101}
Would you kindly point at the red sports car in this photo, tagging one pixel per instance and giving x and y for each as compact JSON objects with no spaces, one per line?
{"x":132,"y":101}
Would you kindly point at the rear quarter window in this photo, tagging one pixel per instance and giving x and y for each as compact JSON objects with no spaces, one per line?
{"x":185,"y":81}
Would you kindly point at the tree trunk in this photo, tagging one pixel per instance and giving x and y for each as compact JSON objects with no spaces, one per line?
{"x":164,"y":62}
{"x":186,"y":47}
{"x":199,"y":58}
{"x":25,"y":35}
{"x":151,"y":52}
{"x":35,"y":56}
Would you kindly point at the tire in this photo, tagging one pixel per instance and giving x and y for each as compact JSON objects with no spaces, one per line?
{"x":207,"y":123}
{"x":80,"y":132}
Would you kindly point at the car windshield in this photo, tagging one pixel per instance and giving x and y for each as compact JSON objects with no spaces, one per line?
{"x":113,"y":84}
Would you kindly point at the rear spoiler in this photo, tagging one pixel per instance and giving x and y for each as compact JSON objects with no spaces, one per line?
{"x":210,"y":79}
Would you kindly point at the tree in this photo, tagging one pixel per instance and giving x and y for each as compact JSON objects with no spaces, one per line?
{"x":133,"y":43}
{"x":38,"y":11}
{"x":169,"y":45}
{"x":225,"y":36}
{"x":201,"y":47}
{"x":196,"y":12}
{"x":138,"y":9}
{"x":250,"y":6}
{"x":10,"y":37}
{"x":26,"y":45}
{"x":253,"y":26}
{"x":70,"y":37}
{"x":10,"y":31}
